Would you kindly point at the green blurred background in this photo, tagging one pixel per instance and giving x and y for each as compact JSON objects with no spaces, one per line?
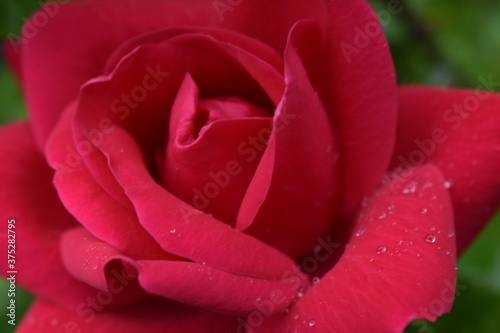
{"x":447,"y":43}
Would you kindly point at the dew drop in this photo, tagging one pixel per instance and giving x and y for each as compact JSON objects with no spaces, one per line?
{"x":451,"y":234}
{"x":315,"y":280}
{"x":447,"y":253}
{"x":172,"y":231}
{"x":382,"y":215}
{"x":430,"y":238}
{"x":381,"y":250}
{"x":360,"y":232}
{"x":410,"y":188}
{"x":423,"y":210}
{"x":296,"y":316}
{"x":312,"y":323}
{"x":372,"y":260}
{"x":391,"y":209}
{"x":448,"y":184}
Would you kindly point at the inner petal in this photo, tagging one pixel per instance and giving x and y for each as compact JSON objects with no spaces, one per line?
{"x":213,"y":150}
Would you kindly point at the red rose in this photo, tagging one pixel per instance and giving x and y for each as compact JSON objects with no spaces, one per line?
{"x":237,"y":166}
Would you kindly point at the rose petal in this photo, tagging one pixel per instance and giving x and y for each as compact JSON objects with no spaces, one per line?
{"x":160,"y":212}
{"x":398,"y":265}
{"x":28,"y":197}
{"x":296,"y":178}
{"x":56,"y":73}
{"x":359,"y":89}
{"x":105,"y":268}
{"x":458,"y":130}
{"x":154,"y":317}
{"x":106,"y":217}
{"x":209,"y":169}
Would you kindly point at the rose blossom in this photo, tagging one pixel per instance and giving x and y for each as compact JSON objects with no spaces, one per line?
{"x":209,"y":166}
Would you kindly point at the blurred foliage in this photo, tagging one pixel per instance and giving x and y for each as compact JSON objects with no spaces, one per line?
{"x":13,"y":14}
{"x":447,"y":43}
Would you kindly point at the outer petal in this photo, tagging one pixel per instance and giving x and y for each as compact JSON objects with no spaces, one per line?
{"x":399,"y":265}
{"x":109,"y":218}
{"x":60,"y":59}
{"x":458,"y":130}
{"x":360,"y":90}
{"x":104,"y":267}
{"x":27,"y":196}
{"x":154,"y":317}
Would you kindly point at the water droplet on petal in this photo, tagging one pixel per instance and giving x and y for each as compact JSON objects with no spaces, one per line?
{"x":312,"y":323}
{"x":391,"y":209}
{"x":382,"y":215}
{"x":360,"y":232}
{"x":451,"y":234}
{"x":381,"y":250}
{"x":172,"y":231}
{"x":423,"y":210}
{"x":430,"y":238}
{"x":448,"y":184}
{"x":315,"y":280}
{"x":410,"y":188}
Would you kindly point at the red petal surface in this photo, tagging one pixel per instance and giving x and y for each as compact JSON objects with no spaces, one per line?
{"x":28,"y":196}
{"x":60,"y":59}
{"x":459,"y":131}
{"x":399,"y":265}
{"x":153,"y":316}
{"x":296,"y":178}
